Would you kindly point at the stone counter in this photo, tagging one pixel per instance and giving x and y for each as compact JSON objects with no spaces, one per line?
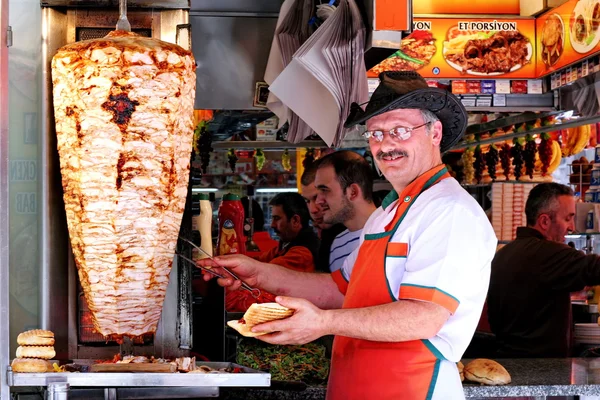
{"x":530,"y":377}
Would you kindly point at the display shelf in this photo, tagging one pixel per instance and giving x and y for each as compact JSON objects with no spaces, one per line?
{"x":509,"y":109}
{"x":550,"y":128}
{"x":267,"y":145}
{"x":525,"y":115}
{"x":581,"y":234}
{"x":279,"y":145}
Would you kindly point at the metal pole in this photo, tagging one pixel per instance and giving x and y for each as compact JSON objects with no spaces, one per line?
{"x":4,"y":210}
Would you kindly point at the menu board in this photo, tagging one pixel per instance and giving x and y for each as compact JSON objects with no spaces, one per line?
{"x":466,"y":7}
{"x":567,"y":34}
{"x":476,"y":48}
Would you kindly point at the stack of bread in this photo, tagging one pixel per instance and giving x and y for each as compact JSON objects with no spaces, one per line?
{"x":259,"y":314}
{"x":36,"y":347}
{"x":508,"y":208}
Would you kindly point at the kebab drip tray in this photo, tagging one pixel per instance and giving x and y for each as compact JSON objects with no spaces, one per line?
{"x":32,"y":367}
{"x":209,"y":376}
{"x":123,"y":108}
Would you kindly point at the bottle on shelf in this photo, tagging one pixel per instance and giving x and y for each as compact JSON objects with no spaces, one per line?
{"x":202,"y":226}
{"x":231,"y":239}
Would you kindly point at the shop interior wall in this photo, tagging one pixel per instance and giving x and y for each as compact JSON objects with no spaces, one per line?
{"x":24,"y":94}
{"x":4,"y":213}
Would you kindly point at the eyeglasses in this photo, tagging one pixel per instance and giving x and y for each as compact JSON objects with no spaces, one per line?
{"x":400,"y":132}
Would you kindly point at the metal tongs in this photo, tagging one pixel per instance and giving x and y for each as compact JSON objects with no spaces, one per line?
{"x":255,"y":292}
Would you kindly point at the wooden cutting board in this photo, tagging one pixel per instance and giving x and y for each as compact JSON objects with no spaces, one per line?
{"x":134,"y":367}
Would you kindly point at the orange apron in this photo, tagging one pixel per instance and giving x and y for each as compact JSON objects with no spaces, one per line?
{"x":363,"y":369}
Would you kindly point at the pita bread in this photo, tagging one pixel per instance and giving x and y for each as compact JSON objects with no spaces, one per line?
{"x":487,"y":372}
{"x":30,"y":365}
{"x":36,"y":337}
{"x":258,"y":314}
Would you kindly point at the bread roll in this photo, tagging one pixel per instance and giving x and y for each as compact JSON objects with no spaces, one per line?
{"x":36,"y":337}
{"x":485,"y":371}
{"x":258,"y":314}
{"x":30,"y":365}
{"x":461,"y":368}
{"x":43,"y":352}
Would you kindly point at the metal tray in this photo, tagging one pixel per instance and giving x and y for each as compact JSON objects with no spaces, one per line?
{"x":249,"y":377}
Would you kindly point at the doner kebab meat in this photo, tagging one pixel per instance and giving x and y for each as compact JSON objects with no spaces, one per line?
{"x":123,"y":106}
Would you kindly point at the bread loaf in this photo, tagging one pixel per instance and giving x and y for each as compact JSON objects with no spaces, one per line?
{"x":30,"y":365}
{"x":43,"y":352}
{"x":488,"y":372}
{"x":36,"y":337}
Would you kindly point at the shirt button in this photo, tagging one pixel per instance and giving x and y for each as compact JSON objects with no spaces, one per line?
{"x":407,"y":199}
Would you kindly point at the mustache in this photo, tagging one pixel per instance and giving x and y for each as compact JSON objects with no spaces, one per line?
{"x":381,"y":154}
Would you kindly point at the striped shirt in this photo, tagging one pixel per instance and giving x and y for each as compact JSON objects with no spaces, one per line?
{"x":342,"y":246}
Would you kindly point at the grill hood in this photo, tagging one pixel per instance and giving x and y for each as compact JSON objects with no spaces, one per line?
{"x":231,"y":40}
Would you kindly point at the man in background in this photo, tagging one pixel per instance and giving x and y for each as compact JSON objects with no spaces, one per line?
{"x":298,"y":243}
{"x":327,"y":232}
{"x":529,"y":303}
{"x":344,"y":182}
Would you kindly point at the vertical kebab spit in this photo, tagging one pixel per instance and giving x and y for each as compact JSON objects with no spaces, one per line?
{"x":124,"y":121}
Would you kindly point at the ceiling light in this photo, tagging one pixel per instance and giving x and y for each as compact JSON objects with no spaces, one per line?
{"x":277,"y":190}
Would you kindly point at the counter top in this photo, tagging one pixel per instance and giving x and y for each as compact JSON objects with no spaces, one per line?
{"x":544,"y":377}
{"x":530,"y":377}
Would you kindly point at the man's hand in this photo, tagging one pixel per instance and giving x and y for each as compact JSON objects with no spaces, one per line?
{"x":307,"y":324}
{"x":244,"y":267}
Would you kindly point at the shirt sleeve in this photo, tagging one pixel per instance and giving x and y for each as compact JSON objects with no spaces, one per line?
{"x":297,"y":258}
{"x":348,"y":266}
{"x":268,"y":255}
{"x":449,"y":257}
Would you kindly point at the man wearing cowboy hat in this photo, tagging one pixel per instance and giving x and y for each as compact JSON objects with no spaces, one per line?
{"x":406,"y":303}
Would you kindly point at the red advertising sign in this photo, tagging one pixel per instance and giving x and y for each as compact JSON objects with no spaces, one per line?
{"x":466,"y":7}
{"x":475,"y":48}
{"x":567,"y":34}
{"x":392,"y":15}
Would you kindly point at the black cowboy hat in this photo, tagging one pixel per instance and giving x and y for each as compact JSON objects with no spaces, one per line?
{"x":408,"y":89}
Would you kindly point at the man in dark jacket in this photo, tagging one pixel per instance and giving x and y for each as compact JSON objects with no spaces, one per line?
{"x":529,"y":305}
{"x":298,"y":243}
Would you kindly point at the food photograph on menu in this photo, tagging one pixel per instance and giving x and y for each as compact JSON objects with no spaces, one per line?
{"x":583,"y":25}
{"x":416,"y":51}
{"x":442,"y":48}
{"x":567,"y":34}
{"x":552,"y":39}
{"x":486,"y":52}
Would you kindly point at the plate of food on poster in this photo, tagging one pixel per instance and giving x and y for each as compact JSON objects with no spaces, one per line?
{"x":486,"y":53}
{"x":416,"y":51}
{"x":552,"y":39}
{"x":583,"y":25}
